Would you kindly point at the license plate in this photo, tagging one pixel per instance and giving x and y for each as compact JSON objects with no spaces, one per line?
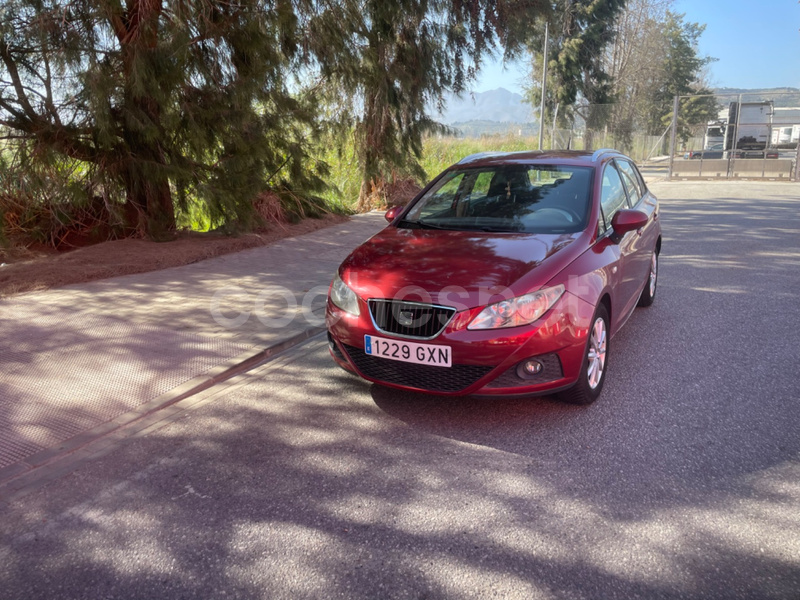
{"x":421,"y":354}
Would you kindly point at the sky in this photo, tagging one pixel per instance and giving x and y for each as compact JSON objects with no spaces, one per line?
{"x":757,"y":43}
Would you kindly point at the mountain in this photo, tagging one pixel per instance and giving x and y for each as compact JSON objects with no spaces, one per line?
{"x":503,"y":112}
{"x":499,"y":106}
{"x":763,"y":91}
{"x":782,"y":96}
{"x":476,"y":129}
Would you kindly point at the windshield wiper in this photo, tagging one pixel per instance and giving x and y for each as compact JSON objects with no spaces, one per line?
{"x":422,"y":224}
{"x":489,"y":229}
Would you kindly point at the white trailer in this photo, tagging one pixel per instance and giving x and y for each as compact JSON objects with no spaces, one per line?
{"x":786,"y":126}
{"x":785,"y":135}
{"x":749,"y":126}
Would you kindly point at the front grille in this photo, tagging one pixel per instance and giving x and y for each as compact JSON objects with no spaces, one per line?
{"x":410,"y":319}
{"x":423,"y":377}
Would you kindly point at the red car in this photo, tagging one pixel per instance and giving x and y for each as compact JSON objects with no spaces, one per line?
{"x":508,"y":274}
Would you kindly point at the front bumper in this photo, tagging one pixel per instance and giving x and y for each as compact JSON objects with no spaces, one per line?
{"x":484,"y":362}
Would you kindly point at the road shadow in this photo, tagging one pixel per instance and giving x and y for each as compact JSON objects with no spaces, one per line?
{"x":300,"y":486}
{"x":304,"y":482}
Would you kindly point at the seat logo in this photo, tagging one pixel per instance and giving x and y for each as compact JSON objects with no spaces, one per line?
{"x":405,"y":318}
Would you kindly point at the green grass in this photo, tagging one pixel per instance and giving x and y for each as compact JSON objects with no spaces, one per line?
{"x":344,"y":177}
{"x":438,"y":153}
{"x":441,"y":152}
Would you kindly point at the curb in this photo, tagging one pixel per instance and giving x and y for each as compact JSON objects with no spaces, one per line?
{"x":26,"y":472}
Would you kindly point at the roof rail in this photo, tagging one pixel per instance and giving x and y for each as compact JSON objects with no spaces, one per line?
{"x":598,"y":153}
{"x":495,"y":154}
{"x":478,"y":155}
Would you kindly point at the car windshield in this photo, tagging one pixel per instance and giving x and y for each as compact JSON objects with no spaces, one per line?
{"x":508,"y":198}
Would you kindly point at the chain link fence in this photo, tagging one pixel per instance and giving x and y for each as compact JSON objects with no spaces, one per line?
{"x":640,"y":146}
{"x":749,"y":136}
{"x":594,"y":126}
{"x":719,"y":136}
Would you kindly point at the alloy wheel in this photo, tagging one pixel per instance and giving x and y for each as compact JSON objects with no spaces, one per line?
{"x":653,"y":273}
{"x":597,"y":353}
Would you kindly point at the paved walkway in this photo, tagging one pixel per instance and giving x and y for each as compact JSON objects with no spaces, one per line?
{"x":83,"y":360}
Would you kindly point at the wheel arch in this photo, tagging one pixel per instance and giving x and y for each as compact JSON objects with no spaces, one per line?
{"x":605,"y":300}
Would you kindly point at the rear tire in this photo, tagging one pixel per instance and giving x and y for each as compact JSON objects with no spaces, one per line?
{"x":649,"y":292}
{"x":595,"y":363}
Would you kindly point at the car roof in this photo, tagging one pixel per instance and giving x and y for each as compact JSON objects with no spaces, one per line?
{"x":564,"y":157}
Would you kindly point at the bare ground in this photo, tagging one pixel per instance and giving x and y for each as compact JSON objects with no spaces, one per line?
{"x":28,"y":271}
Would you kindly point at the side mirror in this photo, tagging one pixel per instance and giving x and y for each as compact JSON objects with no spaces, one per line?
{"x":393,"y":212}
{"x":627,"y":220}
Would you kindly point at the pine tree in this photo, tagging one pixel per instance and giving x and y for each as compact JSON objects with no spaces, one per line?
{"x":384,"y":63}
{"x":625,"y":61}
{"x":695,"y":111}
{"x":653,"y":58}
{"x":586,"y":27}
{"x":681,"y":66}
{"x":580,"y":30}
{"x":163,"y":100}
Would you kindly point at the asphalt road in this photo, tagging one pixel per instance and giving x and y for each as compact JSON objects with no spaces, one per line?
{"x":300,"y":481}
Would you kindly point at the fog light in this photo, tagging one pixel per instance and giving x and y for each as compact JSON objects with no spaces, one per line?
{"x":529,"y":368}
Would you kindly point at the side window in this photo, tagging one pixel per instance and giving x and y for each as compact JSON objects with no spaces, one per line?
{"x":442,"y":200}
{"x":639,"y":178}
{"x":613,"y":196}
{"x":447,"y":193}
{"x":631,"y":180}
{"x":480,"y":189}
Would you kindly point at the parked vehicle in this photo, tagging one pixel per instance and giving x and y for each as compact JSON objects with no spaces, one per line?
{"x":749,"y":126}
{"x":786,"y":136}
{"x":716,"y":151}
{"x":509,"y":274}
{"x":769,"y":153}
{"x":715,"y":134}
{"x":741,"y":131}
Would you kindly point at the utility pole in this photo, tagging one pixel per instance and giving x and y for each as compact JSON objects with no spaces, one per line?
{"x":673,"y":134}
{"x":544,"y":86}
{"x":797,"y":163}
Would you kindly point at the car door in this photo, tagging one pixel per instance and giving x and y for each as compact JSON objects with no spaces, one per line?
{"x":624,"y":272}
{"x":643,"y":244}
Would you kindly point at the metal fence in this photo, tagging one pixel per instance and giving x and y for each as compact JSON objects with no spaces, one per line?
{"x":720,"y":136}
{"x":595,"y":126}
{"x":640,"y":146}
{"x":751,"y":136}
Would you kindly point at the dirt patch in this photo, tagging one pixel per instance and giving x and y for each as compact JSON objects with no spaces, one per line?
{"x":401,"y":192}
{"x":42,"y":269}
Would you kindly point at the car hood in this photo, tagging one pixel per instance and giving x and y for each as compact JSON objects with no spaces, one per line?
{"x":456,"y":267}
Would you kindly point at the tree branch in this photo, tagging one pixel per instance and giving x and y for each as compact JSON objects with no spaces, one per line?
{"x":11,"y":66}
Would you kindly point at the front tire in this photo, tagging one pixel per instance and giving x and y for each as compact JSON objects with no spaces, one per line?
{"x":649,"y":292}
{"x":595,"y":363}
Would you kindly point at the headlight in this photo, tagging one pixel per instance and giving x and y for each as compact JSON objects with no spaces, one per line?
{"x":517,"y":311}
{"x":343,"y":297}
